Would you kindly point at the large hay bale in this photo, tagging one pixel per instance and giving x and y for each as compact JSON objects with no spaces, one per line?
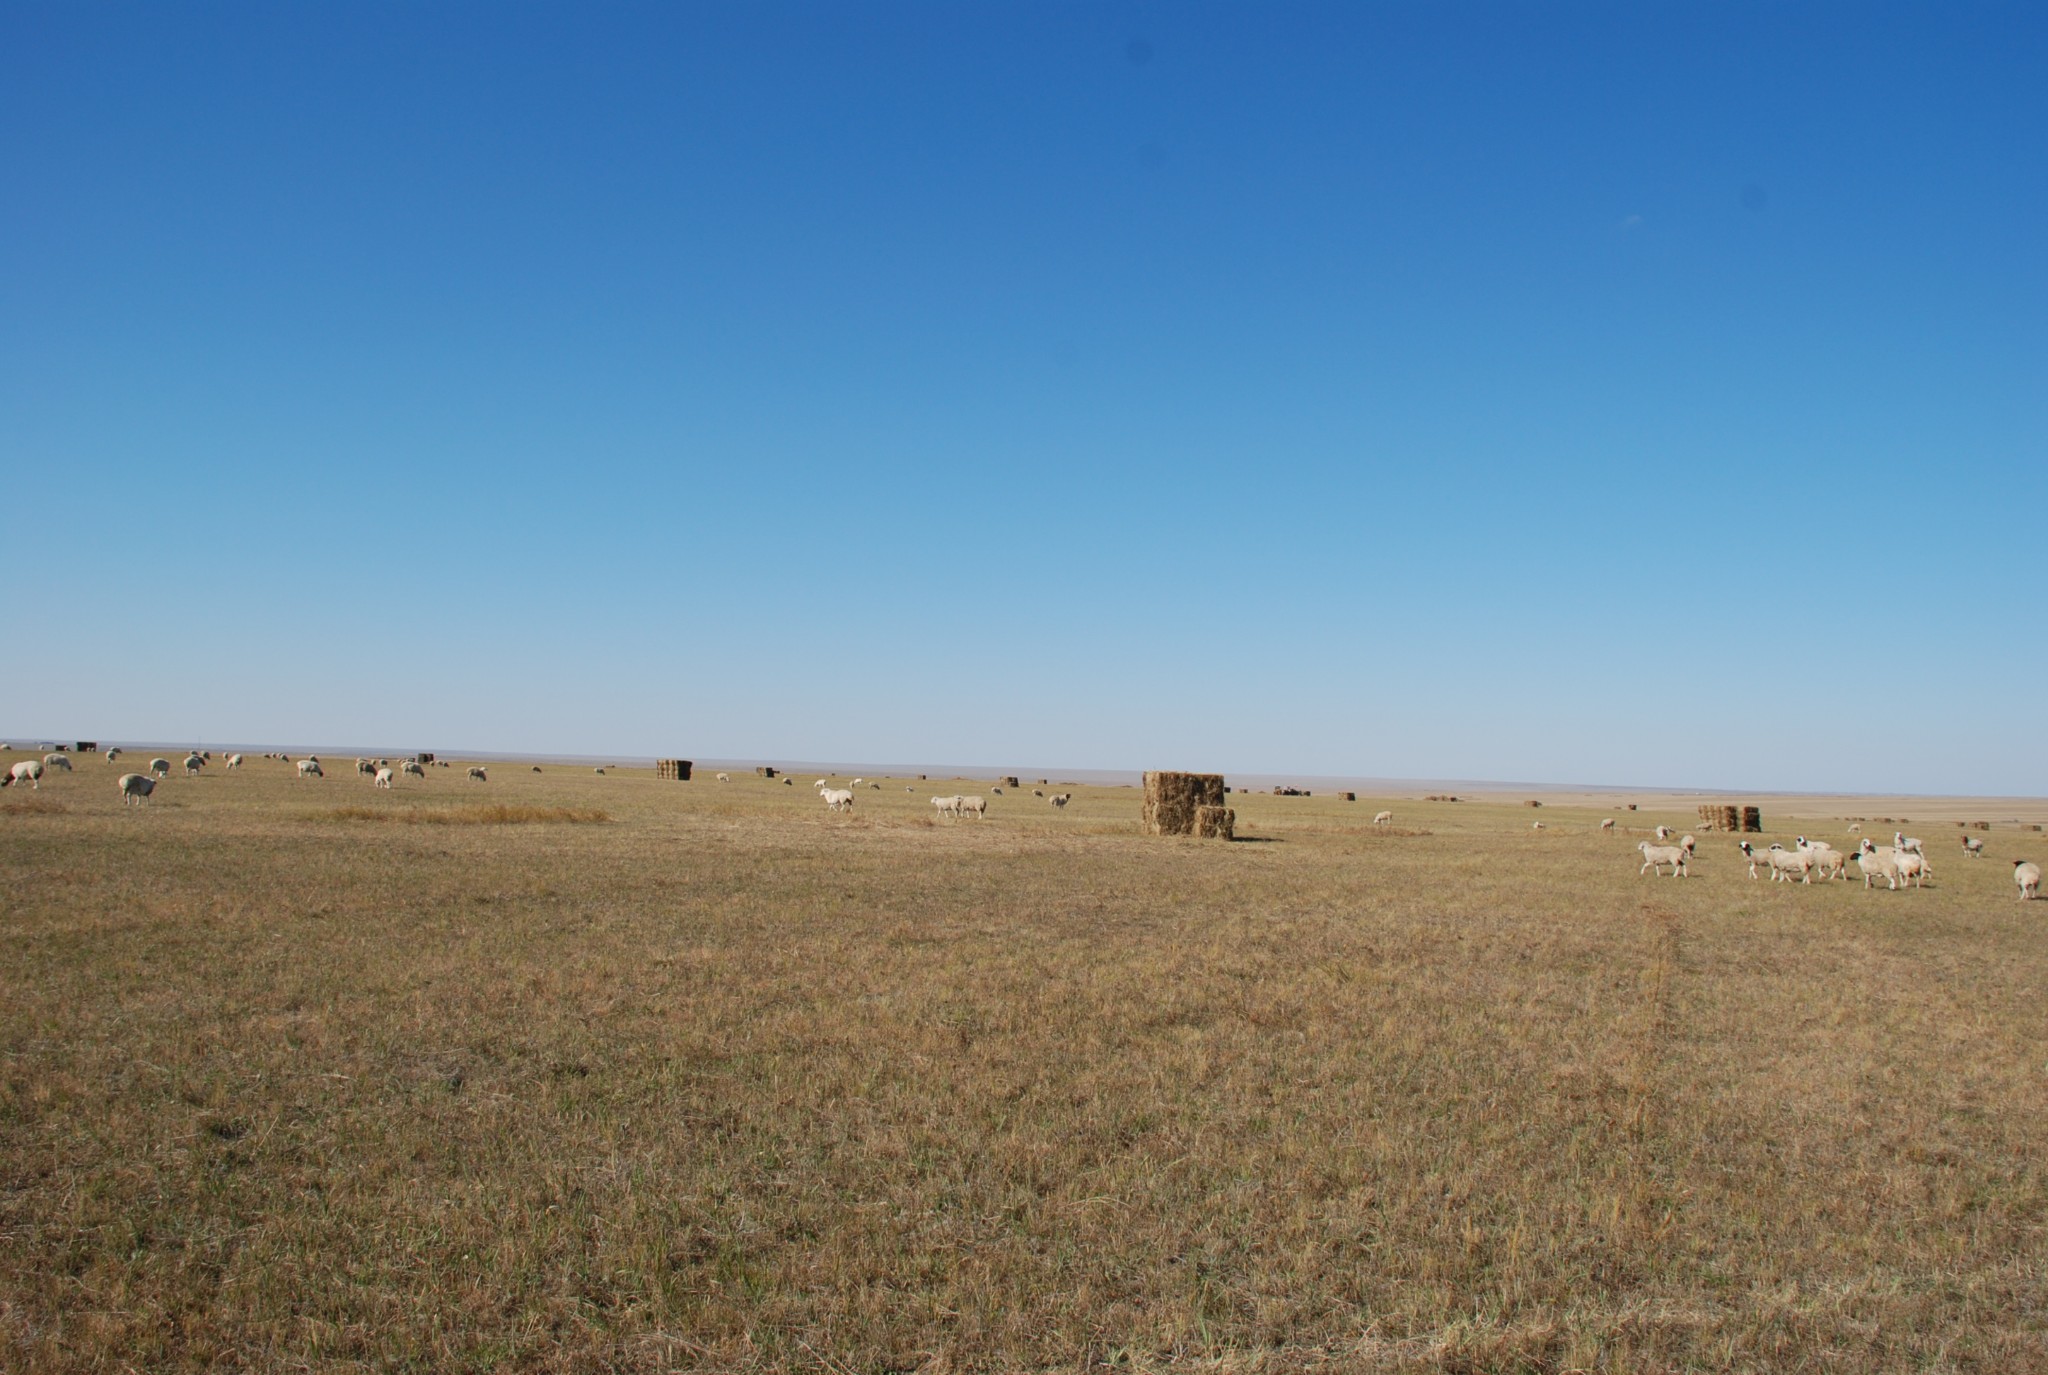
{"x":678,"y":769}
{"x":1753,"y":819}
{"x":1349,"y":797}
{"x":1010,"y":781}
{"x":1171,"y":800}
{"x":1215,"y":823}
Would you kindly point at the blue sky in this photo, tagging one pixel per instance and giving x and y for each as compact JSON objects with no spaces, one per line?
{"x":1581,"y":393}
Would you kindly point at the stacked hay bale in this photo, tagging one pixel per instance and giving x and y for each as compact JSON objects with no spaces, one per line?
{"x":766,"y":771}
{"x":1716,"y":817}
{"x":1215,"y":823}
{"x":1753,"y":819}
{"x":678,"y":769}
{"x":1009,"y":782}
{"x":1173,"y":799}
{"x":1349,"y":797}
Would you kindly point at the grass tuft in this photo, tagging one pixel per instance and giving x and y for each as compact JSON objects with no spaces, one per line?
{"x":489,"y":814}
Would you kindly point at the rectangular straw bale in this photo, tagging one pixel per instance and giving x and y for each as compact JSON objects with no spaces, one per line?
{"x":1171,"y":799}
{"x":1215,"y":823}
{"x":1753,"y":819}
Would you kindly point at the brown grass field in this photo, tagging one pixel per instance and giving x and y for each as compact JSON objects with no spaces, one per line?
{"x":610,"y":1073}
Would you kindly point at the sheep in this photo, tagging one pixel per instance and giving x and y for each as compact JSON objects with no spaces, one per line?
{"x":113,"y":754}
{"x":1749,"y":853}
{"x":1785,"y":863}
{"x":947,"y":806}
{"x":856,"y":782}
{"x":159,"y":766}
{"x":234,"y":761}
{"x":365,"y":767}
{"x":1663,"y":833}
{"x":1973,"y":848}
{"x":383,"y":777}
{"x":821,"y":783}
{"x":1656,"y":856}
{"x":57,"y":761}
{"x":976,"y":806}
{"x":2028,"y":876}
{"x":193,"y":764}
{"x":1855,"y":829}
{"x":136,"y":788}
{"x":412,"y":767}
{"x":1607,"y":825}
{"x":725,"y":778}
{"x":1877,"y":863}
{"x":1383,"y":819}
{"x":598,"y":771}
{"x":477,"y":774}
{"x":1906,"y":844}
{"x":1914,"y":866}
{"x":1831,"y":862}
{"x":29,"y":771}
{"x":1688,"y":844}
{"x":997,"y":791}
{"x":1060,"y":800}
{"x":1535,"y":825}
{"x":838,"y":799}
{"x":310,"y":768}
{"x":1038,"y":792}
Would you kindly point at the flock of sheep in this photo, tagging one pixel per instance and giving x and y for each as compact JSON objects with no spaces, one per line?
{"x":1903,"y":863}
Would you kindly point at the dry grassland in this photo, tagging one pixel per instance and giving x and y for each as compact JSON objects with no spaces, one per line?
{"x":715,"y":1080}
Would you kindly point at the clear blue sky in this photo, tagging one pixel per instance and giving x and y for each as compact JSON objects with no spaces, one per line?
{"x":1579,"y":393}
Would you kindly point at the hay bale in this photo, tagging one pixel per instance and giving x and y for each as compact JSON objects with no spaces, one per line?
{"x":1171,"y":800}
{"x":1532,"y":802}
{"x":1009,"y":782}
{"x":1631,"y":806}
{"x":1980,"y":825}
{"x":1753,"y":819}
{"x":678,"y":769}
{"x":1349,"y":797}
{"x":1215,"y":823}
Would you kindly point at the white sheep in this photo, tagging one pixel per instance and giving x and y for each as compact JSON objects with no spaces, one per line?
{"x":193,"y":764}
{"x":856,"y":782}
{"x":977,"y":807}
{"x":1877,"y":863}
{"x":383,"y":777}
{"x":1855,"y":829}
{"x":136,"y":788}
{"x":1060,"y":800}
{"x":159,"y":766}
{"x":725,"y":778}
{"x":1831,"y":862}
{"x":1663,"y":833}
{"x":113,"y":754}
{"x":477,"y":774}
{"x":1785,"y":863}
{"x":365,"y":767}
{"x":234,"y":761}
{"x":57,"y":761}
{"x":413,"y":768}
{"x":1973,"y":848}
{"x":310,"y":768}
{"x":838,"y":799}
{"x":1906,"y":844}
{"x":1913,"y":867}
{"x":1607,"y":825}
{"x":2028,"y":876}
{"x":1536,"y":826}
{"x":29,"y":771}
{"x":1688,"y":844}
{"x":1383,"y":819}
{"x":599,"y":771}
{"x":1656,"y":856}
{"x":947,"y":806}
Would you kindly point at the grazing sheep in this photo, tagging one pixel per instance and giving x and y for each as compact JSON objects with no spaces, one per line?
{"x":310,"y":768}
{"x":234,"y":761}
{"x":2028,"y":876}
{"x":477,"y":774}
{"x":997,"y":791}
{"x":193,"y":764}
{"x":856,"y":782}
{"x":412,"y":768}
{"x":1688,"y":844}
{"x":1831,"y":863}
{"x":977,"y":807}
{"x":838,"y":799}
{"x":1535,"y":825}
{"x":1656,"y":856}
{"x":821,"y":783}
{"x":1061,"y":800}
{"x":136,"y":788}
{"x":725,"y":778}
{"x":1855,"y":829}
{"x":1663,"y":833}
{"x":29,"y":771}
{"x":598,"y":771}
{"x":1383,"y":819}
{"x":159,"y":766}
{"x":112,"y":755}
{"x":57,"y":761}
{"x":365,"y":767}
{"x":1038,"y":792}
{"x":1906,"y":844}
{"x":1607,"y":825}
{"x":947,"y":806}
{"x":1913,"y":867}
{"x":383,"y":777}
{"x":1877,"y":863}
{"x":1973,"y":848}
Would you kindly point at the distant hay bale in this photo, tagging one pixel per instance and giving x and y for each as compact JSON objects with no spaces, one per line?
{"x":1980,"y":825}
{"x":1532,"y":802}
{"x":678,"y":769}
{"x":1215,"y":823}
{"x":1753,"y":819}
{"x":1171,"y":800}
{"x":1010,"y":781}
{"x":1631,"y":806}
{"x":1349,"y":797}
{"x":1715,"y":816}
